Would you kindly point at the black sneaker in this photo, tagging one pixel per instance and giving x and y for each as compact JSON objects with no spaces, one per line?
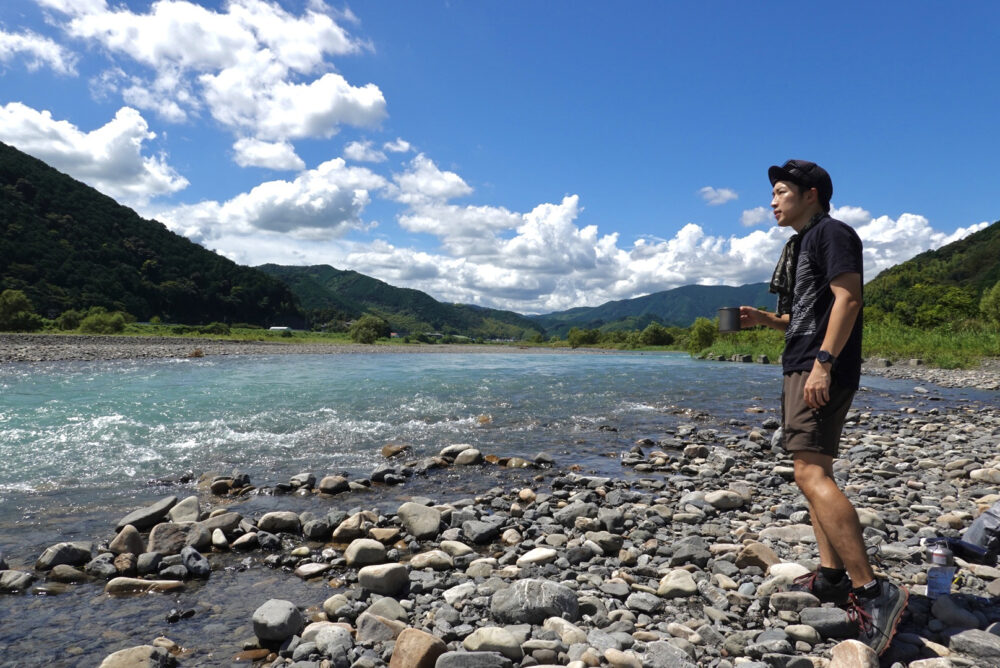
{"x":827,"y":592}
{"x":878,"y":617}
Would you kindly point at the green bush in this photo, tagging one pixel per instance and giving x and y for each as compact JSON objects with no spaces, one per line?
{"x":656,"y":334}
{"x":583,"y":337}
{"x":17,"y":314}
{"x":99,"y":321}
{"x":702,"y":335}
{"x":218,"y":328}
{"x":989,"y":306}
{"x":69,"y":320}
{"x":369,"y":328}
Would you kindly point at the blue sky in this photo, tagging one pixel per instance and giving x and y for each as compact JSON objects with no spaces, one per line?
{"x":525,"y":155}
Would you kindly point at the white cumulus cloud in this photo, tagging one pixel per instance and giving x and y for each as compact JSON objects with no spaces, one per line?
{"x":756,"y":216}
{"x":321,"y":203}
{"x":362,"y":151}
{"x":257,"y":68}
{"x":37,"y":51}
{"x":252,"y":152}
{"x":717,"y":196}
{"x":110,"y":158}
{"x":397,"y":146}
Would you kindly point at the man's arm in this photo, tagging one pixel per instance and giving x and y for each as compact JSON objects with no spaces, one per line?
{"x":750,"y":316}
{"x":846,"y":290}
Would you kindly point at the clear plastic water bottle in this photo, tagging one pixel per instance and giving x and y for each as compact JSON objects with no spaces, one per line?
{"x":941,"y":573}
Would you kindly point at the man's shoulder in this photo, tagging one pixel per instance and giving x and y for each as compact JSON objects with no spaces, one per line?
{"x":829,"y":227}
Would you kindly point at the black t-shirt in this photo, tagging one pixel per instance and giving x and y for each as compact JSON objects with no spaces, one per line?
{"x":829,"y":248}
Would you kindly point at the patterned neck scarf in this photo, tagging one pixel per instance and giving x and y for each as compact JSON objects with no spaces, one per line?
{"x":783,"y":278}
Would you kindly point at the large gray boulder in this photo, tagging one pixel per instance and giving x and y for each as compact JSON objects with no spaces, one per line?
{"x":147,"y":517}
{"x":364,"y":552}
{"x":384,"y":579}
{"x":15,"y":581}
{"x":171,"y":538}
{"x":225,"y":522}
{"x":277,"y":620}
{"x":534,"y":601}
{"x":72,"y":554}
{"x":188,"y":510}
{"x":422,"y":522}
{"x":567,"y":516}
{"x":280,"y":521}
{"x":334,"y":641}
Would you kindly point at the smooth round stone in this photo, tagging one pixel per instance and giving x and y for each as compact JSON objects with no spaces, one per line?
{"x":678,"y":583}
{"x":333,"y":605}
{"x":277,"y":619}
{"x":539,"y":555}
{"x":143,"y":655}
{"x":455,"y":548}
{"x":311,"y":570}
{"x":385,"y":579}
{"x":219,"y":541}
{"x":569,"y":633}
{"x":280,"y":521}
{"x":803,"y":633}
{"x":300,"y":552}
{"x":494,"y":639}
{"x":66,"y":573}
{"x":438,"y":560}
{"x":420,"y":521}
{"x":187,"y":510}
{"x":469,"y":457}
{"x":364,"y":552}
{"x":127,"y":540}
{"x":724,"y":499}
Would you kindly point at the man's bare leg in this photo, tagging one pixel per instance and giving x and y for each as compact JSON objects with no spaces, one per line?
{"x":835,"y":522}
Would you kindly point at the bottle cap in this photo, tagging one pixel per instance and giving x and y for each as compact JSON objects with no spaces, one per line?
{"x":941,"y":556}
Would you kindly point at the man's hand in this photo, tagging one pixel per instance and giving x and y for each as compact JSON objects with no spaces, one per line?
{"x":751,"y":317}
{"x":817,"y":388}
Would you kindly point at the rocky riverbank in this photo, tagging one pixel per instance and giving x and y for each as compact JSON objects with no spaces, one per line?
{"x":677,"y":562}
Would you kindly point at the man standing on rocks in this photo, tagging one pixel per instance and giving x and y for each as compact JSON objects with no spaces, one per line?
{"x":818,"y":282}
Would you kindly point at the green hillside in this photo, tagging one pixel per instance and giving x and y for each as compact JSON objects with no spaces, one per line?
{"x":940,"y":286}
{"x":322,"y":287}
{"x":67,"y":246}
{"x":678,"y":307}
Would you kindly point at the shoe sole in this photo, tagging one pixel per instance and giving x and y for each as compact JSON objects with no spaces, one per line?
{"x":897,"y":615}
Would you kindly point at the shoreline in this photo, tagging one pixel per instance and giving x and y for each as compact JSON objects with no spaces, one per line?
{"x":678,"y":560}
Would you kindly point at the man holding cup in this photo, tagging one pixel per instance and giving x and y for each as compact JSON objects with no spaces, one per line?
{"x":818,"y":282}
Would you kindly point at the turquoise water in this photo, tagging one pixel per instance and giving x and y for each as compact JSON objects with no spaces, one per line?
{"x":82,"y":444}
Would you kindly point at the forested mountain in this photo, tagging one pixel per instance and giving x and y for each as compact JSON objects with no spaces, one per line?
{"x":678,"y":307}
{"x":939,"y":286}
{"x":348,"y":294}
{"x":67,"y":246}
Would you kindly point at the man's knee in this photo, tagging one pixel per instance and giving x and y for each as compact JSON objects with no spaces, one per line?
{"x":812,"y":470}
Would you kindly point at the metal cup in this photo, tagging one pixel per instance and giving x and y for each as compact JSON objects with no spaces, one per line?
{"x":729,"y":319}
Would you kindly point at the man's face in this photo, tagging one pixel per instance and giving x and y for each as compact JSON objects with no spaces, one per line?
{"x":790,"y":204}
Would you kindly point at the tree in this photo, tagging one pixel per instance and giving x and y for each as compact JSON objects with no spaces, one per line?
{"x":368,"y":328}
{"x":99,"y":321}
{"x":990,"y":304}
{"x":656,"y":334}
{"x":583,"y":337}
{"x":17,"y":314}
{"x":702,"y":335}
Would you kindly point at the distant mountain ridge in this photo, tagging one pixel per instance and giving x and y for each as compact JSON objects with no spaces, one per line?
{"x":678,"y":307}
{"x":322,"y":287}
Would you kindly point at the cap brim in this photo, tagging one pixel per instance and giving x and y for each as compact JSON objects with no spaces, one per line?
{"x":775,"y":174}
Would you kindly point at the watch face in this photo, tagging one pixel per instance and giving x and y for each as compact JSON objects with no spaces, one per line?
{"x":824,"y":357}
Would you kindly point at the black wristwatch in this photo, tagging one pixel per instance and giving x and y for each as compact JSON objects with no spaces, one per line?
{"x":823,"y":357}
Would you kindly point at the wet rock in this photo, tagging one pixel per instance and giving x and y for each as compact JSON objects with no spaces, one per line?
{"x":65,"y":573}
{"x":280,"y":521}
{"x":126,"y":586}
{"x":12,"y":582}
{"x":420,"y":521}
{"x":171,"y":538}
{"x":311,"y":570}
{"x":829,"y":622}
{"x":469,"y":457}
{"x":276,"y":620}
{"x":364,"y":552}
{"x":186,"y":510}
{"x":72,"y":554}
{"x":145,"y":518}
{"x":196,"y":564}
{"x":226,"y":522}
{"x":334,"y":484}
{"x":128,"y":540}
{"x":143,"y":656}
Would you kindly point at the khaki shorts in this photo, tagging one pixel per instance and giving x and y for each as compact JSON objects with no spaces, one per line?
{"x":808,"y":429}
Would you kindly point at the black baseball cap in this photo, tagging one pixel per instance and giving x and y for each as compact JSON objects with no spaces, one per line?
{"x":806,"y":175}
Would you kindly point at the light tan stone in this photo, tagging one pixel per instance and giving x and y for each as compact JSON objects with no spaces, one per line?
{"x":416,"y":649}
